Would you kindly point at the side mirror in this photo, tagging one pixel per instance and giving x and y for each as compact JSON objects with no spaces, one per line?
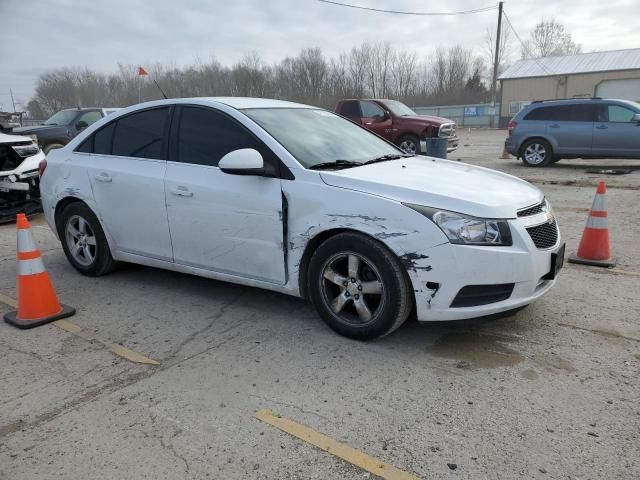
{"x":81,"y":125}
{"x":245,"y":161}
{"x":636,"y":118}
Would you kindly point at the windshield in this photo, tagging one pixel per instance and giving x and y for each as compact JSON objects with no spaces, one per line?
{"x":399,"y":109}
{"x":315,"y":136}
{"x":65,"y":117}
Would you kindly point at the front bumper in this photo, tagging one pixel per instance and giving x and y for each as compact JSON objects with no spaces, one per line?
{"x":448,"y":268}
{"x":453,"y":143}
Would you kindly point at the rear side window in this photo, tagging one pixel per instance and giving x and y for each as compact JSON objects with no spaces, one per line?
{"x":350,"y":109}
{"x":564,"y":113}
{"x":141,"y":134}
{"x":205,"y":136}
{"x":619,"y":114}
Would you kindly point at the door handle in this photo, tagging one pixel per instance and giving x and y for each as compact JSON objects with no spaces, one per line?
{"x":103,"y":177}
{"x":555,"y":125}
{"x":602,"y":127}
{"x":181,"y":191}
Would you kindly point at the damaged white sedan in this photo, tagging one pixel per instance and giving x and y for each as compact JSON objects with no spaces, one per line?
{"x":19,"y":160}
{"x":299,"y":200}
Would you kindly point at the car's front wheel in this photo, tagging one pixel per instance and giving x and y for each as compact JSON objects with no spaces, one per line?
{"x":83,"y":240}
{"x":359,"y":288}
{"x":409,"y":144}
{"x":536,"y":153}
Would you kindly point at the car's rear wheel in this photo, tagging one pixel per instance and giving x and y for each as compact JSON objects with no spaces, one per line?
{"x":83,"y":240}
{"x":536,"y":153}
{"x":409,"y":144}
{"x":359,"y":288}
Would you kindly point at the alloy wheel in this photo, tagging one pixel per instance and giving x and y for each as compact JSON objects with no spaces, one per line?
{"x":535,"y":153}
{"x":352,"y":288}
{"x":408,"y":146}
{"x":81,"y":240}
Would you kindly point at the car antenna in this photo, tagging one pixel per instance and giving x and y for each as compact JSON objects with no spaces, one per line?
{"x":160,"y":88}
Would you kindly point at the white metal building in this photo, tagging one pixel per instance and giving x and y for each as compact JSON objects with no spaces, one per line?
{"x":610,"y":74}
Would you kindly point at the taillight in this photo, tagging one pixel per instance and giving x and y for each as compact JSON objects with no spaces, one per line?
{"x":512,"y":124}
{"x":41,"y":167}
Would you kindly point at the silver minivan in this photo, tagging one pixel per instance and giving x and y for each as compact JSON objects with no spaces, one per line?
{"x":547,"y":131}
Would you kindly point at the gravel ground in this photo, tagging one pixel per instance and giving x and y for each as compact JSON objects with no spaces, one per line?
{"x":551,"y":393}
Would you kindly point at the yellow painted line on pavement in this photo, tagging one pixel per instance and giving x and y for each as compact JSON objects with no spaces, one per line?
{"x":329,"y":445}
{"x":78,"y":331}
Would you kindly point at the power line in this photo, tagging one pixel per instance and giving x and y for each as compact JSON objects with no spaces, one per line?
{"x":400,"y":12}
{"x":524,"y":45}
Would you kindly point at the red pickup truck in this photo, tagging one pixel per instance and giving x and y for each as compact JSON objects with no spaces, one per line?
{"x":397,"y":123}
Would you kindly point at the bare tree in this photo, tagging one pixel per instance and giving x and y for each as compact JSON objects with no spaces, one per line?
{"x":549,"y":38}
{"x":377,"y":70}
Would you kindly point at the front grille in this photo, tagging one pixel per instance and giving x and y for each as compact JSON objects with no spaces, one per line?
{"x":545,"y":235}
{"x":475,"y":295}
{"x":447,"y":130}
{"x":533,"y":210}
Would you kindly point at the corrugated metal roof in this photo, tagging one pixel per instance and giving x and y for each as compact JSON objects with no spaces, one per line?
{"x":583,"y":63}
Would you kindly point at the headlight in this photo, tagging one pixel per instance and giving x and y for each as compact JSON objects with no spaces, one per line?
{"x":466,"y":230}
{"x":26,"y":150}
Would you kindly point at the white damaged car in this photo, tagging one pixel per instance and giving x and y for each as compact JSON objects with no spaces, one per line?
{"x":19,"y":160}
{"x":296,"y":199}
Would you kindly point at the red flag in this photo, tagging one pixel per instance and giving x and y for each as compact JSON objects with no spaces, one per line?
{"x":142,"y":71}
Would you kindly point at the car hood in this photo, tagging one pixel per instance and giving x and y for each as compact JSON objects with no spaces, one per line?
{"x":4,"y":138}
{"x":427,"y":118}
{"x":436,"y":183}
{"x":36,"y":129}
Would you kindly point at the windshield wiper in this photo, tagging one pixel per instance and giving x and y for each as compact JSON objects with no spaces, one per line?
{"x":385,"y":158}
{"x":335,"y":164}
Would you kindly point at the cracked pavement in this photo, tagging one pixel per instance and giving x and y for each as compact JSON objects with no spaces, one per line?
{"x":550,"y":393}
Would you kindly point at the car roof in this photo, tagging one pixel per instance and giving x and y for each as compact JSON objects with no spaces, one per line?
{"x":250,"y":102}
{"x":568,"y":101}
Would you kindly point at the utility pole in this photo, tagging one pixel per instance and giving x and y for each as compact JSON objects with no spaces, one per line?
{"x":495,"y":63}
{"x":12,"y":101}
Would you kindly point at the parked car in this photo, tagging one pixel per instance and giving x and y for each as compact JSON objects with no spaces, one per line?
{"x":9,"y":121}
{"x":58,"y":130}
{"x":547,"y":131}
{"x":399,"y":124}
{"x":19,"y":160}
{"x":299,"y":200}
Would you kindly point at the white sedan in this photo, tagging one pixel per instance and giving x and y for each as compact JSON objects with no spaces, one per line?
{"x":296,"y":199}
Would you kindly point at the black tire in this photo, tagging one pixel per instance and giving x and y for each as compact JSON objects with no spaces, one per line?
{"x":378,"y":269}
{"x":409,"y":144}
{"x":536,"y":153}
{"x":102,"y":262}
{"x":50,"y":147}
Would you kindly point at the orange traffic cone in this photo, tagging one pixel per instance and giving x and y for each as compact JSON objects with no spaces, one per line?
{"x":37,"y":301}
{"x":505,"y":155}
{"x":594,"y":245}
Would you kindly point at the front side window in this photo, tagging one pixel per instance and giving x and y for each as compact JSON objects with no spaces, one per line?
{"x":90,"y":117}
{"x":205,"y":136}
{"x":316,"y":136}
{"x":371,"y":110}
{"x":399,"y":109}
{"x":619,"y":114}
{"x":141,"y":134}
{"x":102,"y":139}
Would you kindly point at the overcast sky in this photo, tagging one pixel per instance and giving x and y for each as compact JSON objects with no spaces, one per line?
{"x":39,"y":35}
